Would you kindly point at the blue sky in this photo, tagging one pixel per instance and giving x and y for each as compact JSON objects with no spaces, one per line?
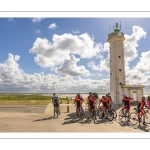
{"x":69,"y":54}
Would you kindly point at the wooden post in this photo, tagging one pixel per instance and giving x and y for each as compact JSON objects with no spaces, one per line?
{"x":67,"y":109}
{"x":67,"y":99}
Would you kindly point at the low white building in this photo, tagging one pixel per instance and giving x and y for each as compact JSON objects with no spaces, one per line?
{"x":134,"y":91}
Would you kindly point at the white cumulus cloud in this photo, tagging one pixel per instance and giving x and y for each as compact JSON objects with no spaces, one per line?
{"x":143,"y":65}
{"x":53,"y":53}
{"x":69,"y":67}
{"x":14,"y":79}
{"x":130,"y":50}
{"x":35,"y":20}
{"x":52,"y":26}
{"x":38,"y":31}
{"x":76,"y":32}
{"x":130,"y":43}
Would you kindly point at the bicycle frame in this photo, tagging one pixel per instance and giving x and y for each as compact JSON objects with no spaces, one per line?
{"x":124,"y":115}
{"x":80,"y":111}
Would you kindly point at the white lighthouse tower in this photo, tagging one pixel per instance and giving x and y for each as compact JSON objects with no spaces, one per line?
{"x":118,"y":85}
{"x":117,"y":69}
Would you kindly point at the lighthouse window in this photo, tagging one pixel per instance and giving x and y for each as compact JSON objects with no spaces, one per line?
{"x":119,"y":69}
{"x":110,"y":73}
{"x":119,"y":56}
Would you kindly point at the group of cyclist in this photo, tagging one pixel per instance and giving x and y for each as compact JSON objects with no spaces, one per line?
{"x":127,"y":101}
{"x":106,"y":104}
{"x":92,"y":101}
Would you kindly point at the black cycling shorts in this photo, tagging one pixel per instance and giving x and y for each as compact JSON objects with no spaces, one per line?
{"x":56,"y":105}
{"x":127,"y":107}
{"x":106,"y":106}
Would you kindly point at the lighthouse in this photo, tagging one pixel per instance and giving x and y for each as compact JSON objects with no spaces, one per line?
{"x":117,"y":67}
{"x":118,"y":86}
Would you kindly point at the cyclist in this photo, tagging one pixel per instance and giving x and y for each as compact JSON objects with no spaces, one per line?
{"x":127,"y":104}
{"x":89,"y":97}
{"x":109,"y":100}
{"x":55,"y":102}
{"x":141,"y":110}
{"x":92,"y":105}
{"x":78,"y":101}
{"x":105,"y":104}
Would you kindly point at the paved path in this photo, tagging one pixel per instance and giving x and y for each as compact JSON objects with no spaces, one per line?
{"x":22,"y":109}
{"x":39,"y":122}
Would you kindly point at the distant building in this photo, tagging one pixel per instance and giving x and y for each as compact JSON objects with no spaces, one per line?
{"x":118,"y":85}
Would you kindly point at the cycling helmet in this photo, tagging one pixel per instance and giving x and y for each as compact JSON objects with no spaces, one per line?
{"x":90,"y":93}
{"x":103,"y":96}
{"x":78,"y":94}
{"x":143,"y":98}
{"x":54,"y":94}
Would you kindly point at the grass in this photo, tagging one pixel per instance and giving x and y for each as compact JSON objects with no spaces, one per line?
{"x":33,"y":99}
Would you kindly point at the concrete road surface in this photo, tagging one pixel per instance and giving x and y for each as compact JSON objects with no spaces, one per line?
{"x":18,"y":119}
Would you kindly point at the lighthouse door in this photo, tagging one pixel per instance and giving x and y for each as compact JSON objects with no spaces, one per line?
{"x":134,"y":96}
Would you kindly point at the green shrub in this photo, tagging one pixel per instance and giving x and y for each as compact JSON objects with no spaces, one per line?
{"x":95,"y":94}
{"x":148,"y":98}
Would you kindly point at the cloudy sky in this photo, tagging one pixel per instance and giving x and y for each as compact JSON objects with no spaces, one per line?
{"x":69,"y":54}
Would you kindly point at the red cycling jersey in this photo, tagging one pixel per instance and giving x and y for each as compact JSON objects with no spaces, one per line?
{"x":141,"y":104}
{"x":92,"y":101}
{"x":109,"y":100}
{"x":89,"y":97}
{"x":126,"y":101}
{"x":78,"y":100}
{"x":141,"y":110}
{"x":104,"y":101}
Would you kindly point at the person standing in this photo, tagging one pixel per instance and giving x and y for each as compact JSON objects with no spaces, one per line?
{"x":78,"y":101}
{"x":127,"y":103}
{"x":92,"y":106}
{"x":141,"y":111}
{"x":55,"y":102}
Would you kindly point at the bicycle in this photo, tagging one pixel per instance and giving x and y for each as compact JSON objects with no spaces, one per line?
{"x":124,"y":115}
{"x":86,"y":110}
{"x":92,"y":112}
{"x":113,"y":112}
{"x":134,"y":119}
{"x":80,"y":113}
{"x":105,"y":114}
{"x":57,"y":111}
{"x":92,"y":115}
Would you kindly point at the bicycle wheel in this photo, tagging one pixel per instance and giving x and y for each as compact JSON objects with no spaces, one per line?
{"x":110,"y":116}
{"x":82,"y":113}
{"x":114,"y":112}
{"x":133,"y":118}
{"x":59,"y":111}
{"x":56,"y":112}
{"x":127,"y":116}
{"x":100,"y":115}
{"x":86,"y":110}
{"x":79,"y":112}
{"x":94,"y":114}
{"x":120,"y":115}
{"x":147,"y":117}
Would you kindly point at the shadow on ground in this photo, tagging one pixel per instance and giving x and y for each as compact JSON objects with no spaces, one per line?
{"x":43,"y":119}
{"x":141,"y":127}
{"x":71,"y":119}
